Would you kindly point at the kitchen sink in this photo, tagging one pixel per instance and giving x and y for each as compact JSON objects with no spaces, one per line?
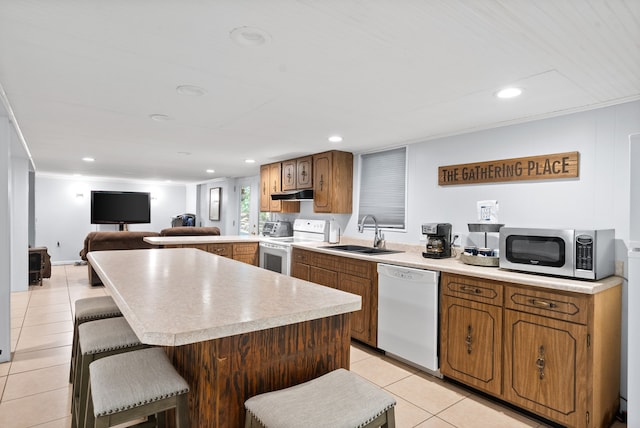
{"x":360,"y":249}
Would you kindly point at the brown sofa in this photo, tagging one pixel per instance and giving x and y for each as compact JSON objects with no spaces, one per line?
{"x":189,"y":231}
{"x":101,"y":241}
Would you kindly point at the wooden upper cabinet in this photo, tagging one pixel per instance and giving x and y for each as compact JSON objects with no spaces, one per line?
{"x":289,"y":175}
{"x":332,"y":182}
{"x":296,"y":174}
{"x":265,"y":193}
{"x":271,"y":182}
{"x":275,"y":184}
{"x":304,"y":176}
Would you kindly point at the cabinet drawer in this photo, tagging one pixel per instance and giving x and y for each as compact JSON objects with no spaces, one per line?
{"x":224,"y":250}
{"x":567,"y":307}
{"x":301,"y":256}
{"x":248,"y":249}
{"x":475,"y":289}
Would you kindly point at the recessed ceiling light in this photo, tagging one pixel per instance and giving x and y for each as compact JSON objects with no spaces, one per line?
{"x":191,"y":90}
{"x":211,"y":171}
{"x":249,"y":36}
{"x":88,"y":159}
{"x":159,"y":117}
{"x":185,"y":153}
{"x":250,"y":161}
{"x":335,"y":138}
{"x":509,"y":93}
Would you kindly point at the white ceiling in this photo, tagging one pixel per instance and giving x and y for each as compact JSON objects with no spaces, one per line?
{"x":83,"y":76}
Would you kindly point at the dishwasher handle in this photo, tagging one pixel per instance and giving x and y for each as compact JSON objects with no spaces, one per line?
{"x":407,"y":274}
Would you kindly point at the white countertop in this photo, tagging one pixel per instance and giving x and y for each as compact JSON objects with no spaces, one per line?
{"x":178,"y":296}
{"x":412,"y":257}
{"x":200,"y":239}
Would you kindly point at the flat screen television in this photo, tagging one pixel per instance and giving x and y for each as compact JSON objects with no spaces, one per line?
{"x":108,"y":207}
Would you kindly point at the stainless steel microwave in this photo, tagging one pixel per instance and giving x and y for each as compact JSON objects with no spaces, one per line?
{"x":574,"y":253}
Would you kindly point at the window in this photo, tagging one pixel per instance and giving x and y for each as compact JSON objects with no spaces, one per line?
{"x":383,"y":188}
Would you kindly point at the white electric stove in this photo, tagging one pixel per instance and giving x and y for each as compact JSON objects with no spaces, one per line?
{"x":275,"y":251}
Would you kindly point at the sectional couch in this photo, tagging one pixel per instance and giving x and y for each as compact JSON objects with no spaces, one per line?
{"x":103,"y":241}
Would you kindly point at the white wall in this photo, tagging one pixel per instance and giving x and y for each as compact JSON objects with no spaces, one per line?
{"x":63,"y":216}
{"x":229,"y":205}
{"x":5,"y":242}
{"x":598,"y":198}
{"x":19,"y":221}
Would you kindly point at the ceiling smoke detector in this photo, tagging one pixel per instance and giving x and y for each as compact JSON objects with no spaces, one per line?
{"x":249,"y":36}
{"x":191,"y":90}
{"x":159,"y":117}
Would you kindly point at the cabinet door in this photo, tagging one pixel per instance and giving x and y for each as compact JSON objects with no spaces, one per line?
{"x":265,"y":193}
{"x":300,"y":270}
{"x":289,"y":174}
{"x":362,"y":327}
{"x":246,"y":253}
{"x":322,"y":276}
{"x":275,"y":185}
{"x":546,"y":367}
{"x":322,"y":182}
{"x":471,"y":344}
{"x":304,"y":178}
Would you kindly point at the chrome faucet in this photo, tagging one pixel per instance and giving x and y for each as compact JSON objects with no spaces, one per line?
{"x":377,"y":236}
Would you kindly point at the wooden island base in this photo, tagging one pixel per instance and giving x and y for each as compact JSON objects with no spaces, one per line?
{"x":223,"y":373}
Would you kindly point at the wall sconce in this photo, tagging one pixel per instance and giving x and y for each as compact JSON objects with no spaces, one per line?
{"x":79,"y":195}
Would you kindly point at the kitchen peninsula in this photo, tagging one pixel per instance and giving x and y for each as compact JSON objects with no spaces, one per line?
{"x":232,"y":330}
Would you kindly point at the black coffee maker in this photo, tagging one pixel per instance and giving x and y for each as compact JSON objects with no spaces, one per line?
{"x":438,"y":240}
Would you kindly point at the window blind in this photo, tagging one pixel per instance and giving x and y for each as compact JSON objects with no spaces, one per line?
{"x":383,"y":186}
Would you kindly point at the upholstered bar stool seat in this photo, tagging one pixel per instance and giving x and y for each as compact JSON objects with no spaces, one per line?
{"x":133,"y":385}
{"x":90,"y":309}
{"x":98,"y":339}
{"x":339,"y":399}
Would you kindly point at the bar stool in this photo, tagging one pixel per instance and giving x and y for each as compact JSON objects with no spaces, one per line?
{"x":134,"y":385}
{"x":97,"y":339}
{"x":90,"y":309}
{"x":339,"y":399}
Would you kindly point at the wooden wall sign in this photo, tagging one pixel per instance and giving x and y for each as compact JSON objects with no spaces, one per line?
{"x":544,"y":167}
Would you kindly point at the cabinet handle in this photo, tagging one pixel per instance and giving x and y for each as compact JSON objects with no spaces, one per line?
{"x":468,"y":339}
{"x":542,"y":304}
{"x":274,"y":186}
{"x":470,"y":289}
{"x":264,"y":189}
{"x":321,"y":181}
{"x":289,"y":176}
{"x":540,"y":362}
{"x":303,"y":173}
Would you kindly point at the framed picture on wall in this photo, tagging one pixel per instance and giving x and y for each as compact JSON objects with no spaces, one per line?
{"x":214,"y":203}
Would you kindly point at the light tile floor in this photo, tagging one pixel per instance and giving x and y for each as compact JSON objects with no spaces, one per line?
{"x":34,"y":388}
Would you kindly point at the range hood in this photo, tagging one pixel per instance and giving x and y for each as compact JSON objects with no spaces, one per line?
{"x":294,"y":195}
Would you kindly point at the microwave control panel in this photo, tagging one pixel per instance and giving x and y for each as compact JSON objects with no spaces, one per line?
{"x":584,"y":252}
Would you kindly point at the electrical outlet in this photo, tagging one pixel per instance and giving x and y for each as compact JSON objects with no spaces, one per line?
{"x":619,"y":269}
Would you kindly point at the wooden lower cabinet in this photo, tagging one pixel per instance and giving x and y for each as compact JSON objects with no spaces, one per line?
{"x":546,"y":367}
{"x":472,"y":343}
{"x":554,"y":353}
{"x":246,"y":252}
{"x":347,"y":274}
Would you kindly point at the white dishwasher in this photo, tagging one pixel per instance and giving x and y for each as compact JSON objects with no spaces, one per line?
{"x":408,"y":315}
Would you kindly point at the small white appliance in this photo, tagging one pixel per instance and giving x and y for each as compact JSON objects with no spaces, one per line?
{"x":408,"y":315}
{"x":275,"y":248}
